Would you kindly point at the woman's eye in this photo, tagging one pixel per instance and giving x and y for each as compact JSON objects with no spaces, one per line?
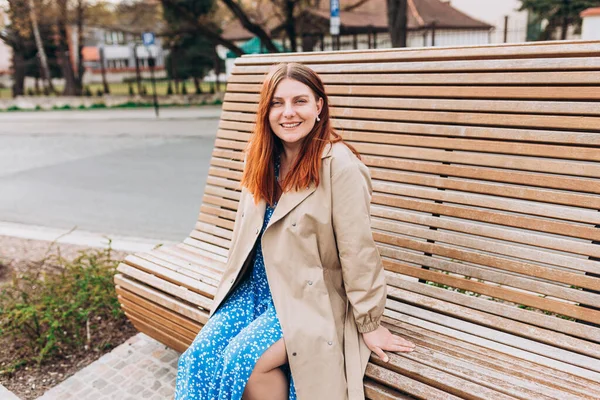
{"x":301,"y":101}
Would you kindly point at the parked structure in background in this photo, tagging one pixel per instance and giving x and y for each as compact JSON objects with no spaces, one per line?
{"x":590,"y":29}
{"x":119,"y":49}
{"x":510,"y":24}
{"x":430,"y":23}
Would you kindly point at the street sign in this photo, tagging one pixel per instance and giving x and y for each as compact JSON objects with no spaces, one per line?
{"x":148,"y":38}
{"x":334,"y":18}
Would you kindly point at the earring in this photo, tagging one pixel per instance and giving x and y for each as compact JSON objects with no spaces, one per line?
{"x":318,"y":119}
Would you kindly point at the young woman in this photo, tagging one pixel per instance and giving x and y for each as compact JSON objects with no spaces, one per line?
{"x":298,"y":310}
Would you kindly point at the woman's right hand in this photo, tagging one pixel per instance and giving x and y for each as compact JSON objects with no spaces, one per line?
{"x":382,"y":339}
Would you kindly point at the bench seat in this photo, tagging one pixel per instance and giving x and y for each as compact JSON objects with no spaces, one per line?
{"x":485,"y":163}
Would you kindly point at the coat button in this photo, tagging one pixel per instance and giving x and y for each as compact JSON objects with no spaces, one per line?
{"x":293,"y":224}
{"x":330,"y":343}
{"x":242,"y":215}
{"x":257,"y":230}
{"x":294,"y":354}
{"x":231,"y":281}
{"x":309,"y":283}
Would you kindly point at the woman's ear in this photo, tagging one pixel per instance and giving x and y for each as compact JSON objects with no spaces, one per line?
{"x":319,"y":105}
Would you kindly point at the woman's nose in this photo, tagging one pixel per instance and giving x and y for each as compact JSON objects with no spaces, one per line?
{"x":289,"y":110}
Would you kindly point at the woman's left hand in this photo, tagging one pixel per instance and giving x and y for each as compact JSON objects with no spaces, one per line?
{"x":382,"y":339}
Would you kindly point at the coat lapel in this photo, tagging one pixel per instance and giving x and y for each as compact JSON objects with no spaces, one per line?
{"x":289,"y":200}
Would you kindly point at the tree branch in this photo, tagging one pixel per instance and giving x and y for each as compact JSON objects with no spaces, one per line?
{"x":199,"y":28}
{"x":250,"y":26}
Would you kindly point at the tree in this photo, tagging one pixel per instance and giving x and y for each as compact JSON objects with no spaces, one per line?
{"x":559,"y":14}
{"x":40,"y":46}
{"x":396,"y":10}
{"x":191,"y":55}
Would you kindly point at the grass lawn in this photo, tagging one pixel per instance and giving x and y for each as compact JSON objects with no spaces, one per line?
{"x":123,"y":88}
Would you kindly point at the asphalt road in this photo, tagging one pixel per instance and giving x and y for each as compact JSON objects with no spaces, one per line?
{"x":114,"y":172}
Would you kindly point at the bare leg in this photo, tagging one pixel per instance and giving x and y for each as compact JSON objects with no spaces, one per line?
{"x":268,"y":382}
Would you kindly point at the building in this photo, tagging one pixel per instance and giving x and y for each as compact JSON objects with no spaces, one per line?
{"x":430,"y":23}
{"x":118,"y":49}
{"x":590,"y":29}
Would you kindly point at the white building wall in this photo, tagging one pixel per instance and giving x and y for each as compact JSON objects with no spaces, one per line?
{"x":493,"y":12}
{"x":590,"y":29}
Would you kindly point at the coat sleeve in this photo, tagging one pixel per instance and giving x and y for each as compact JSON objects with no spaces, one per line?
{"x":362,"y":269}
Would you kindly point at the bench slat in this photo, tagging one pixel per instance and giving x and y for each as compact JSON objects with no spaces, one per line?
{"x":581,"y":93}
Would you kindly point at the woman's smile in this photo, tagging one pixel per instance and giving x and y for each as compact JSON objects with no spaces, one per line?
{"x":291,"y":125}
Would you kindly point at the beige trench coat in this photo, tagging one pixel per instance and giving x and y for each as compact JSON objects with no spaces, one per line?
{"x":324,"y":272}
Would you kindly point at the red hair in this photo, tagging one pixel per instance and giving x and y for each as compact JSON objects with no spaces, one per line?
{"x":264,"y":146}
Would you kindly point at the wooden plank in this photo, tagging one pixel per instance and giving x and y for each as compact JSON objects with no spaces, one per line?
{"x":497,"y":315}
{"x":480,"y":52}
{"x":175,"y":275}
{"x":495,"y":276}
{"x":477,"y":357}
{"x":375,"y":391}
{"x":194,"y":241}
{"x":213,"y":220}
{"x":475,"y":254}
{"x":477,"y":239}
{"x":240,"y":121}
{"x":491,"y":217}
{"x":491,"y":202}
{"x":582,"y":93}
{"x":457,"y":78}
{"x":489,"y":188}
{"x":534,"y":179}
{"x":498,"y":292}
{"x":395,"y":66}
{"x":162,"y":285}
{"x":589,"y":123}
{"x":462,"y":105}
{"x":162,"y":317}
{"x":140,"y":290}
{"x":163,"y":337}
{"x":515,"y":346}
{"x":399,"y":381}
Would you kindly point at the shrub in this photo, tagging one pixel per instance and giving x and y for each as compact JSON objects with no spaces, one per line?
{"x":13,"y":108}
{"x":98,"y":105}
{"x":81,"y":107}
{"x":52,"y":310}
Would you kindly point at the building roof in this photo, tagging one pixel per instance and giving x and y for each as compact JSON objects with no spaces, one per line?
{"x":590,"y":12}
{"x":371,"y":15}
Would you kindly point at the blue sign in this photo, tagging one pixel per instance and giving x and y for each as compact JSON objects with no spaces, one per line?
{"x":148,"y":38}
{"x":335,"y":8}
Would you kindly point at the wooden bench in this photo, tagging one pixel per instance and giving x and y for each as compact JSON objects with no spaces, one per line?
{"x":486,"y":209}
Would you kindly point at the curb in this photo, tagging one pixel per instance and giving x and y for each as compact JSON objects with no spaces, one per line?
{"x":80,"y":237}
{"x":6,"y":394}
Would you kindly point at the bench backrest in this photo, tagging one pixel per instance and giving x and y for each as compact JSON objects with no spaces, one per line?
{"x":486,"y":173}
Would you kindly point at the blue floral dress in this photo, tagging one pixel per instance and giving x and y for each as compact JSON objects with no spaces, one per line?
{"x":218,"y":364}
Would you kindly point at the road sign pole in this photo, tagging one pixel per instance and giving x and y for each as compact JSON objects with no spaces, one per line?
{"x":151,"y":63}
{"x":334,"y":22}
{"x":148,"y":40}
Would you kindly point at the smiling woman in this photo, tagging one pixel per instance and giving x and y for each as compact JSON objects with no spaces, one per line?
{"x":298,"y":309}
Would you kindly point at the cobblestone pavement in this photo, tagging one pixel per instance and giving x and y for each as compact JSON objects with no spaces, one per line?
{"x":140,"y":368}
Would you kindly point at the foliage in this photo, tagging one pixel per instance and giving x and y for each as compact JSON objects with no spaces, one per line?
{"x":190,"y":55}
{"x":559,"y":14}
{"x":53,"y":310}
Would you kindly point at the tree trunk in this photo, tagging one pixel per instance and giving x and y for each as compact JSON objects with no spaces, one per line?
{"x":217,"y":69}
{"x":397,"y":21}
{"x":62,"y":49}
{"x":18,"y":66}
{"x":290,"y":24}
{"x":40,"y":46}
{"x":80,"y":40}
{"x":197,"y":85}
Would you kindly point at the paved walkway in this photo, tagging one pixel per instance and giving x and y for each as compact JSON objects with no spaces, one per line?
{"x":140,"y":368}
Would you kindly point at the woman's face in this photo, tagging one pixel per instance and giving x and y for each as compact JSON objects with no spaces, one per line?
{"x":293,"y":111}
